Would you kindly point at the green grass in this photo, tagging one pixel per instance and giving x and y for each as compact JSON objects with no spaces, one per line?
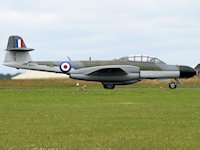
{"x":59,"y":118}
{"x":68,"y":83}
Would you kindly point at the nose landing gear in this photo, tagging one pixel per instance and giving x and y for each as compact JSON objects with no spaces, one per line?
{"x":173,"y":85}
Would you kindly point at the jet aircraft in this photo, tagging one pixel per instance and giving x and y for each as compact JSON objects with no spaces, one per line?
{"x":123,"y":71}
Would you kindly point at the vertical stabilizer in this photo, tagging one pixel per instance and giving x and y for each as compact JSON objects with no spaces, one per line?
{"x":16,"y":50}
{"x":15,"y":42}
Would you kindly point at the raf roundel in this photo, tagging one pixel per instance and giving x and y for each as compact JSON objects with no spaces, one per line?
{"x":65,"y":67}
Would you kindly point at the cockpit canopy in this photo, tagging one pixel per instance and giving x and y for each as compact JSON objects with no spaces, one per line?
{"x":142,"y":59}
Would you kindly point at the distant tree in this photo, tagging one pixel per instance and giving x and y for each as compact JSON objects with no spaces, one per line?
{"x":7,"y":76}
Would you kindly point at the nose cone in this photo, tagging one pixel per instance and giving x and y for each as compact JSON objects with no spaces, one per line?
{"x":187,"y":72}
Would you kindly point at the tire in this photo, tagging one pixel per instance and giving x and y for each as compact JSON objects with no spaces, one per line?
{"x":172,"y":85}
{"x":105,"y":86}
{"x":108,"y":86}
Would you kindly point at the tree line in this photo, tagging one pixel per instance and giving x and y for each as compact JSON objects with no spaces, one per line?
{"x":7,"y":76}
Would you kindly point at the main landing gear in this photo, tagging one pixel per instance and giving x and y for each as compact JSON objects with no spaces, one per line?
{"x":108,"y":86}
{"x":174,"y":84}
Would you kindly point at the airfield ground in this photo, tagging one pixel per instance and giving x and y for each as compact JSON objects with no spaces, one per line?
{"x":51,"y":115}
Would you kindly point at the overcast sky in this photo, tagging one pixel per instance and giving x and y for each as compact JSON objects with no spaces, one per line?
{"x":103,"y":29}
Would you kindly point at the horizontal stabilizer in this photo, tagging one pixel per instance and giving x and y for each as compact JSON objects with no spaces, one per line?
{"x":20,"y":49}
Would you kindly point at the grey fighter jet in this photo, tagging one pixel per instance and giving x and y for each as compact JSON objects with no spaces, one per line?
{"x":123,"y":71}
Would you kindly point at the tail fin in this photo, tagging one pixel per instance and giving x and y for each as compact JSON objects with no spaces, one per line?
{"x":16,"y":50}
{"x":15,"y":42}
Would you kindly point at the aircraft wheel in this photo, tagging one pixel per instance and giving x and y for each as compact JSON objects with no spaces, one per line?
{"x":172,"y":85}
{"x":108,"y":86}
{"x":105,"y":86}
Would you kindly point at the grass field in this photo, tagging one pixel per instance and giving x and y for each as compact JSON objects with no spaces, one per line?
{"x":49,"y":116}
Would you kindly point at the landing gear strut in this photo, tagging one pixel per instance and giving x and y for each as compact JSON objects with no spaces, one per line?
{"x":108,"y":86}
{"x":174,"y":84}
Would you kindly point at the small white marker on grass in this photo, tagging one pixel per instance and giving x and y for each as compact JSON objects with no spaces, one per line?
{"x":77,"y":87}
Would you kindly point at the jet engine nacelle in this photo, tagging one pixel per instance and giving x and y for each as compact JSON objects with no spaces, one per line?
{"x":128,"y":77}
{"x":113,"y":73}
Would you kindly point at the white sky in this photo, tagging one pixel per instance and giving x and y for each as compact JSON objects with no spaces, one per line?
{"x":103,"y":29}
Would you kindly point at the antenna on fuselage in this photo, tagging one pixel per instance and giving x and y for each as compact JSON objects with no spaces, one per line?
{"x":69,"y":58}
